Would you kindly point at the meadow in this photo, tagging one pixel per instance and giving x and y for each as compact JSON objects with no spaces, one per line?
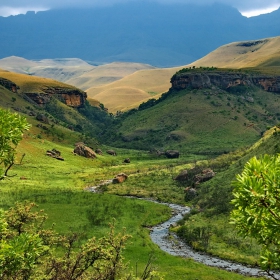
{"x":58,"y":187}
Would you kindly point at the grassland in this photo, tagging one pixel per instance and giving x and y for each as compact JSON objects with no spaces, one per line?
{"x":58,"y":188}
{"x":263,"y":52}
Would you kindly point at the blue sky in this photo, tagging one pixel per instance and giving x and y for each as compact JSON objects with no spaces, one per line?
{"x":246,"y":7}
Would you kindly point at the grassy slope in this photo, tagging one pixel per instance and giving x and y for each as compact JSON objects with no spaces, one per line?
{"x":105,"y":74}
{"x":213,"y":204}
{"x":57,"y":187}
{"x":29,"y":84}
{"x":156,"y":81}
{"x":60,"y":69}
{"x":193,"y":122}
{"x":149,"y":83}
{"x":60,"y":116}
{"x":240,"y":55}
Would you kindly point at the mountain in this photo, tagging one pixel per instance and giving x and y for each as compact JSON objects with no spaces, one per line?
{"x":157,"y":34}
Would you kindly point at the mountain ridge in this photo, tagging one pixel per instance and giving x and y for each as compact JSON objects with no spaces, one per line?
{"x":146,"y":32}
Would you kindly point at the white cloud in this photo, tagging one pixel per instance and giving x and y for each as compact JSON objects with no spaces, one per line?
{"x":252,"y":13}
{"x":12,"y":11}
{"x":246,"y":7}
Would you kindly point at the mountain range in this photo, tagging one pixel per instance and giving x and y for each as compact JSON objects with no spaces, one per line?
{"x":158,"y":34}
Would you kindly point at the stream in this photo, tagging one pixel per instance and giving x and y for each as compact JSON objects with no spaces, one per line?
{"x":160,"y":235}
{"x":171,"y":244}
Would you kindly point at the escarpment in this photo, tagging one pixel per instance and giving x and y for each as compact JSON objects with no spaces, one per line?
{"x":8,"y":84}
{"x":71,"y":97}
{"x":224,"y":80}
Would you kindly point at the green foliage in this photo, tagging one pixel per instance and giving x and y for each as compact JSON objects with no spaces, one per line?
{"x":12,"y":126}
{"x":257,"y":206}
{"x":27,"y":251}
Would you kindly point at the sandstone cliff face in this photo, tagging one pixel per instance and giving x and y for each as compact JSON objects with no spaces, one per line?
{"x":71,"y":97}
{"x":224,"y":80}
{"x":8,"y":85}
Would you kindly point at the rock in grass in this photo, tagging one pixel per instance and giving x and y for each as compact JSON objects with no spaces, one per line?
{"x":119,"y":178}
{"x":84,"y":151}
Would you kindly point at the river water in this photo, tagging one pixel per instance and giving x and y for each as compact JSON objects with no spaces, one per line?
{"x":171,"y":244}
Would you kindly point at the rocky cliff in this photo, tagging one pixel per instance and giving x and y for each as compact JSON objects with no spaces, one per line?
{"x":8,"y":84}
{"x":223,"y":80}
{"x":71,"y":97}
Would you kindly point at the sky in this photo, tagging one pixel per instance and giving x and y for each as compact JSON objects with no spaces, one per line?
{"x":247,"y":8}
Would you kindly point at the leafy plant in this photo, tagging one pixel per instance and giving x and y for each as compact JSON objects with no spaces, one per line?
{"x":257,"y":206}
{"x":12,"y":126}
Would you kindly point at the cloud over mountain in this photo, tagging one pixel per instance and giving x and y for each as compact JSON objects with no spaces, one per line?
{"x":21,"y":6}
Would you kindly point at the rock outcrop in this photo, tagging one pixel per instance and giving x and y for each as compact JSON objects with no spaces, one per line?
{"x":224,"y":80}
{"x":120,"y":178}
{"x":55,"y":154}
{"x":111,"y":152}
{"x":172,"y":154}
{"x":8,"y":84}
{"x":204,"y":176}
{"x":84,"y":151}
{"x":70,"y":96}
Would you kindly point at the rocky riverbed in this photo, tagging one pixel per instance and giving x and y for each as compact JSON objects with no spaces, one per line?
{"x":171,"y":244}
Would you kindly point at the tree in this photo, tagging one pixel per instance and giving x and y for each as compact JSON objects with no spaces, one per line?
{"x":256,"y":210}
{"x":30,"y":251}
{"x":12,"y":126}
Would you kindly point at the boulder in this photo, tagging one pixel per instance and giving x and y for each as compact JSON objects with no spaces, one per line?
{"x":54,"y":154}
{"x":111,"y":152}
{"x":84,"y":151}
{"x":172,"y":154}
{"x":204,"y":176}
{"x":99,"y":152}
{"x":119,"y":178}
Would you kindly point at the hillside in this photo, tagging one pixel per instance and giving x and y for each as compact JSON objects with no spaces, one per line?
{"x":201,"y":118}
{"x":122,"y":86}
{"x":262,"y":54}
{"x":243,"y":54}
{"x":53,"y":108}
{"x":59,"y":69}
{"x":133,"y":89}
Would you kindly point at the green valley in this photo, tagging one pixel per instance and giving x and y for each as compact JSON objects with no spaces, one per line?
{"x":212,"y":119}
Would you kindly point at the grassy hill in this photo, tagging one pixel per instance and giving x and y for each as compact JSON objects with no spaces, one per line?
{"x":59,"y":69}
{"x":60,"y":119}
{"x":257,"y":53}
{"x":200,"y":121}
{"x":212,"y":203}
{"x":106,"y":73}
{"x":145,"y":83}
{"x":122,"y":86}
